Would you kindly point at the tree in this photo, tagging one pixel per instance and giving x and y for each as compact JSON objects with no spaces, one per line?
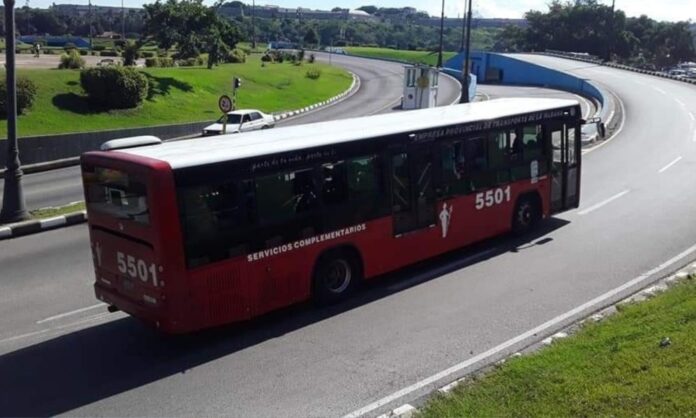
{"x":131,"y":52}
{"x":311,"y":37}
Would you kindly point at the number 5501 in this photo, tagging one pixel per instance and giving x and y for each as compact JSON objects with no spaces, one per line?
{"x":492,"y":198}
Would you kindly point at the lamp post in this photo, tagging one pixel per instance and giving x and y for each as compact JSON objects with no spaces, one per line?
{"x":253,"y":25}
{"x":465,"y":64}
{"x":610,"y":41}
{"x":442,"y":34}
{"x":13,"y":207}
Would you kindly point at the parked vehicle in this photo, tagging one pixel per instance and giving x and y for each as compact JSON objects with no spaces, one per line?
{"x":241,"y":121}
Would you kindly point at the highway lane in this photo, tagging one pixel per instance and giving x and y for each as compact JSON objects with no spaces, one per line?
{"x":328,"y":362}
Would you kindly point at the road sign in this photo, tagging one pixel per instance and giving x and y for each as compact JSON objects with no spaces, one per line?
{"x":225,"y":104}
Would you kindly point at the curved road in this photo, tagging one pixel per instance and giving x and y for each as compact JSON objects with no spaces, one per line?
{"x":421,"y":327}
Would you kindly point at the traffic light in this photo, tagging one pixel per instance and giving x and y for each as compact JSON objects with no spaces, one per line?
{"x":237,"y":83}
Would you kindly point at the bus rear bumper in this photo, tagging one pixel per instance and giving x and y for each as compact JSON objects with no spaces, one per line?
{"x":150,"y":316}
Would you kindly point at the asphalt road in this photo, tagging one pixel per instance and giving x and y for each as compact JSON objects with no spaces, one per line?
{"x":60,"y":354}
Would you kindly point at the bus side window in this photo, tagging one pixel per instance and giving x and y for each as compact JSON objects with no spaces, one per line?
{"x":477,"y":163}
{"x":454,"y":168}
{"x":532,"y":139}
{"x":334,"y":190}
{"x":281,"y":196}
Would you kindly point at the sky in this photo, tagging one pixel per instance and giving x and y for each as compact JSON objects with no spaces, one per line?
{"x":671,"y":10}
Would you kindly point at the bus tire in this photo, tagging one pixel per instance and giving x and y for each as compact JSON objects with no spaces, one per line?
{"x":335,"y":276}
{"x":527,"y":213}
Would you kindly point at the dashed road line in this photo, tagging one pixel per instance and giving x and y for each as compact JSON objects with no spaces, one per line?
{"x":659,"y":90}
{"x":604,"y":203}
{"x":670,"y":165}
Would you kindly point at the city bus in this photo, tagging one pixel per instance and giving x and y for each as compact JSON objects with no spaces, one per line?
{"x":193,"y":234}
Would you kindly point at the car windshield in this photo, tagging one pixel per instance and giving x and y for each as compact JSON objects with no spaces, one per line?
{"x":233,"y":118}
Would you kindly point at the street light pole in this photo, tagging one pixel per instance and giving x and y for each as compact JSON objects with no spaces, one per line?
{"x":123,"y":22}
{"x":465,"y":65}
{"x":253,"y":25}
{"x":13,"y":207}
{"x":461,"y":47}
{"x":442,"y":34}
{"x":610,"y":41}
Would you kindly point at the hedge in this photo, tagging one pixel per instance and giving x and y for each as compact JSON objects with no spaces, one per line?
{"x":26,"y":93}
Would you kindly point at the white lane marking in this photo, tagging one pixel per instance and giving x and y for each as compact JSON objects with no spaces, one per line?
{"x":682,"y":104}
{"x":659,"y":90}
{"x":59,"y":328}
{"x":53,"y":222}
{"x":442,"y":269}
{"x":692,"y":116}
{"x":668,"y":166}
{"x":76,"y":311}
{"x":603,"y":203}
{"x":540,"y":330}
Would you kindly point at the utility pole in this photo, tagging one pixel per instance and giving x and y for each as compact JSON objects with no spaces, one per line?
{"x":461,"y":47}
{"x":27,"y":17}
{"x":610,"y":41}
{"x":442,"y":34}
{"x":123,"y":22}
{"x":253,"y":25}
{"x":13,"y":207}
{"x":90,"y":25}
{"x":465,"y":65}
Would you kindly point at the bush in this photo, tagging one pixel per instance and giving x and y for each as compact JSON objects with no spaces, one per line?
{"x":119,"y":43}
{"x":114,"y":87}
{"x":131,"y":53}
{"x":300,"y":55}
{"x":71,"y":60}
{"x":69,"y":46}
{"x":152,"y":62}
{"x":312,"y":58}
{"x":191,"y":62}
{"x":266,"y":58}
{"x":236,"y":56}
{"x":111,"y":53}
{"x":313,"y":74}
{"x":99,"y":47}
{"x":166,"y":61}
{"x":26,"y":93}
{"x":83,"y":52}
{"x":147,"y":54}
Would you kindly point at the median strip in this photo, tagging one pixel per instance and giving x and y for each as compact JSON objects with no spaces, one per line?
{"x":46,"y":219}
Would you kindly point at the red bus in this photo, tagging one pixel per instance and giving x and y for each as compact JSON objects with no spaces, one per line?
{"x":193,"y":234}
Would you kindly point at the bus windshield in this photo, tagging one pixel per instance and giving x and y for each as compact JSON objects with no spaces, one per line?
{"x":116,"y":193}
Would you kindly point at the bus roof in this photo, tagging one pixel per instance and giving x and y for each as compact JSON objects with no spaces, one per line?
{"x":210,"y":150}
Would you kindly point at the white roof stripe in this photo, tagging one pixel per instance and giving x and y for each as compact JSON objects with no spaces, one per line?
{"x":209,"y":150}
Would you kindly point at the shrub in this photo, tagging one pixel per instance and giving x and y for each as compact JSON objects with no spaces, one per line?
{"x":111,"y":53}
{"x":147,"y":54}
{"x":69,"y":46}
{"x":236,"y":56}
{"x":191,"y":62}
{"x":300,"y":55}
{"x":313,"y":74}
{"x":166,"y":61}
{"x":312,"y":58}
{"x":119,"y":43}
{"x":152,"y":62}
{"x":130,"y":53}
{"x":99,"y":47}
{"x":83,"y":51}
{"x":114,"y":87}
{"x":266,"y":58}
{"x":26,"y":93}
{"x":71,"y":60}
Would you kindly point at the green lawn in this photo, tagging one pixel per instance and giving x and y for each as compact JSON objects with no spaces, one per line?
{"x":615,"y":368}
{"x":177,"y":95}
{"x":424,"y":57}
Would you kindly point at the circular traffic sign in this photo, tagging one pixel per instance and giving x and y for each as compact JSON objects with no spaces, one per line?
{"x":225,"y":104}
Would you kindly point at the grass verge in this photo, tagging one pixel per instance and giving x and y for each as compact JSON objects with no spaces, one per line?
{"x":177,"y":95}
{"x":418,"y":57}
{"x":57,"y":211}
{"x":622,"y":366}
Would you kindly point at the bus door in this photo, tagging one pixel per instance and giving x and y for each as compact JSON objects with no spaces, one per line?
{"x":565,"y":167}
{"x":412,"y":193}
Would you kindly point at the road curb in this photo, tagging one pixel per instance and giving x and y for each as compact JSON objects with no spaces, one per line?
{"x":40,"y":225}
{"x":354,"y":87}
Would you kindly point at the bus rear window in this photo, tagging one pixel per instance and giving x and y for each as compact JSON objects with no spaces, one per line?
{"x":116,"y":193}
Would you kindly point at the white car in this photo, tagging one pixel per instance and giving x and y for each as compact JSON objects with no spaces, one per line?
{"x":241,"y":121}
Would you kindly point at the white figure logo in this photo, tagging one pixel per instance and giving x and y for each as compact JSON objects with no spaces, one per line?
{"x":97,"y":253}
{"x":445,"y":219}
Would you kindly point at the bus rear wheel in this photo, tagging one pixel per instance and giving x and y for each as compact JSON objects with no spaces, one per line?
{"x":525,"y":216}
{"x":335,"y":277}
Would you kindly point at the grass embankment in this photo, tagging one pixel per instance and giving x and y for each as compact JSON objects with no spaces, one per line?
{"x":57,"y":211}
{"x":177,"y":95}
{"x":617,"y":367}
{"x":416,"y":57}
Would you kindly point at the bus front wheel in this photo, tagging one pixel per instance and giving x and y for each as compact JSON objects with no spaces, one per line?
{"x":335,"y":276}
{"x":527,"y":213}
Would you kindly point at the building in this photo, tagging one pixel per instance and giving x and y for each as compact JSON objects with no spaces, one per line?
{"x":276,"y":12}
{"x":83,"y":10}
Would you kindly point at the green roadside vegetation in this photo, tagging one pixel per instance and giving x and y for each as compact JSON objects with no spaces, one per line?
{"x":46,"y":213}
{"x":416,"y":57}
{"x":638,"y":362}
{"x":176,"y":95}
